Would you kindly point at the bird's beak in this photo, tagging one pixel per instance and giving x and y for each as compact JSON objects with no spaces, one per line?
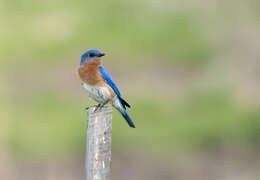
{"x":101,"y":54}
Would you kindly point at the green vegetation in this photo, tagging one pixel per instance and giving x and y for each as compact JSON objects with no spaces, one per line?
{"x":39,"y":116}
{"x":46,"y":32}
{"x":53,"y":124}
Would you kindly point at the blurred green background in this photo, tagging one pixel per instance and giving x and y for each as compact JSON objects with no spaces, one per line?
{"x":189,"y":69}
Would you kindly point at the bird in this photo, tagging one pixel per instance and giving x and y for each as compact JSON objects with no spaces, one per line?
{"x":99,"y":84}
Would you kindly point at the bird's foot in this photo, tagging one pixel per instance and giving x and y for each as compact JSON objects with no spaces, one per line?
{"x":97,"y":107}
{"x":100,"y":106}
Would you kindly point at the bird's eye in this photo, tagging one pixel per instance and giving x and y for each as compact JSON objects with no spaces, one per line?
{"x":91,"y":55}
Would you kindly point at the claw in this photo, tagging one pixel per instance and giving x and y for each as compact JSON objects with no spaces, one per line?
{"x":97,"y":107}
{"x":102,"y":105}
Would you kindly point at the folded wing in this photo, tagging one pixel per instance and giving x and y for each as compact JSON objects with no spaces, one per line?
{"x":107,"y":77}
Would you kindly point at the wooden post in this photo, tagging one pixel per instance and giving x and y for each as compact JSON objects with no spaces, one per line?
{"x":99,"y":139}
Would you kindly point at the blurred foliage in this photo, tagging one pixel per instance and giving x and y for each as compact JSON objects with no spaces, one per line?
{"x":51,"y":124}
{"x":38,"y":33}
{"x":49,"y":31}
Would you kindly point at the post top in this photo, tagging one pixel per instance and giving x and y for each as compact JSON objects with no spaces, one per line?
{"x":91,"y":110}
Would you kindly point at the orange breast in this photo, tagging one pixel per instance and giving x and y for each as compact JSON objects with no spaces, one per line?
{"x":89,"y":74}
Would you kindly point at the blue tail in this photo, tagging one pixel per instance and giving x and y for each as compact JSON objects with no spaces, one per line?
{"x":118,"y":105}
{"x":128,"y":119}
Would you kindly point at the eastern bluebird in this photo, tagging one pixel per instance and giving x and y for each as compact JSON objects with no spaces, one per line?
{"x":99,"y":84}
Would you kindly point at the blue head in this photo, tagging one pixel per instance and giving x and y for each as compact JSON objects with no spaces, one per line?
{"x":91,"y":55}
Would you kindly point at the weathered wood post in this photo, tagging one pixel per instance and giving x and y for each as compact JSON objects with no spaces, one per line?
{"x":99,"y":139}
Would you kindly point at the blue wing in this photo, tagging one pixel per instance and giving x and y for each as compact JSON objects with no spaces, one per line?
{"x":122,"y":107}
{"x":107,"y":77}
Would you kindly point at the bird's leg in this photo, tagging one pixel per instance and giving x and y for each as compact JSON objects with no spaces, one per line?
{"x":97,"y":107}
{"x":102,"y":105}
{"x":92,"y":106}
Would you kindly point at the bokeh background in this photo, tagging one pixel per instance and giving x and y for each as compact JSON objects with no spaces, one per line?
{"x":190,"y":69}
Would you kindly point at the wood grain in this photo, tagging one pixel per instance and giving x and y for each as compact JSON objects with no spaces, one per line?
{"x":99,"y":139}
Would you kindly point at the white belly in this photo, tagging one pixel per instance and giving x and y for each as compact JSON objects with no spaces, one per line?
{"x":98,"y":94}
